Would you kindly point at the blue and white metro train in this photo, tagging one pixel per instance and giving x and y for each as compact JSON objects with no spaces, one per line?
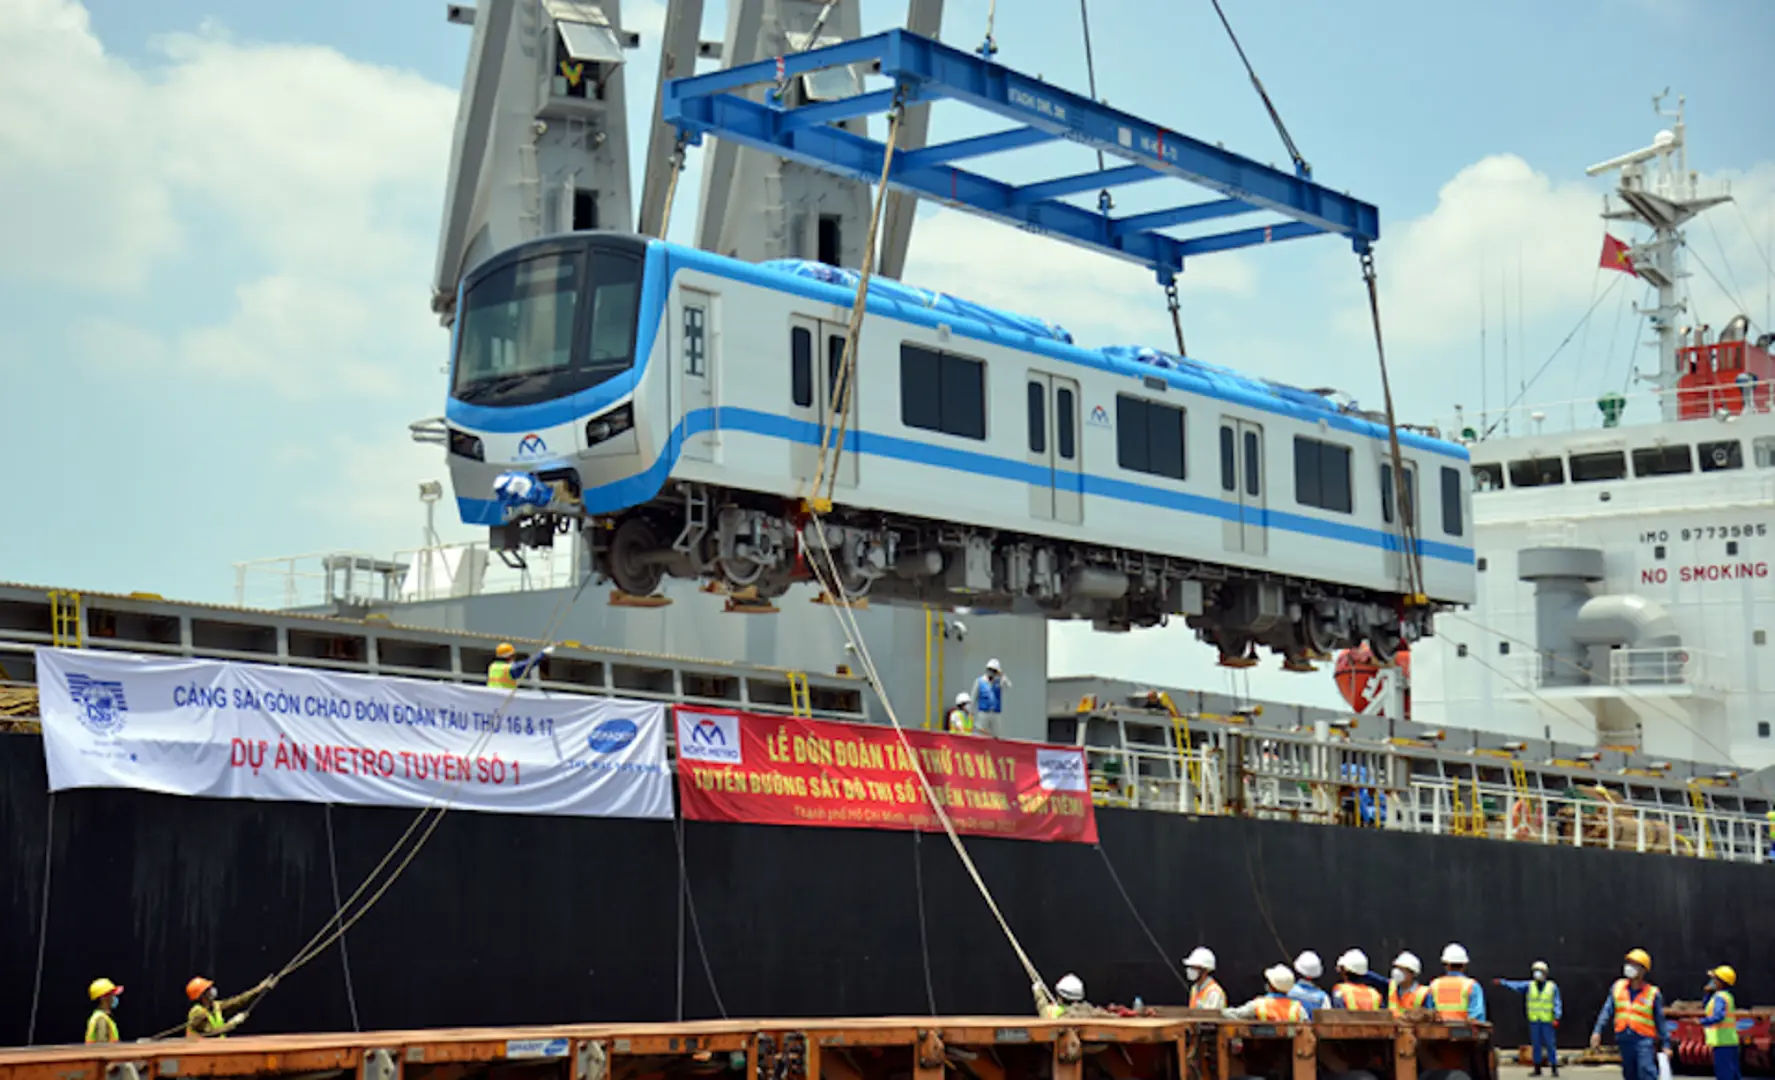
{"x":680,"y":399}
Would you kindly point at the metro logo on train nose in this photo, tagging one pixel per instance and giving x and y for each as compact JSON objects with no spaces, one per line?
{"x":532,"y":445}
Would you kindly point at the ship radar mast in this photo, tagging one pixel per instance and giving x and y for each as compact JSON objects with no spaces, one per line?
{"x":1658,"y":191}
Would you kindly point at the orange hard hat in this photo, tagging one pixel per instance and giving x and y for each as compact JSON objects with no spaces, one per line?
{"x":505,"y":649}
{"x":195,"y":988}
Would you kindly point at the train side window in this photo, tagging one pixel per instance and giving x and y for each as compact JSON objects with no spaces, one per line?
{"x":1537,"y":472}
{"x":1038,"y":423}
{"x":1387,"y":492}
{"x":1603,"y":465}
{"x":1722,"y":455}
{"x":1663,"y":460}
{"x":1488,"y":477}
{"x":942,"y":392}
{"x":1322,"y":475}
{"x":1149,"y":437}
{"x":1253,"y":467}
{"x":1451,"y":501}
{"x":801,"y":366}
{"x":1063,"y":421}
{"x":1229,"y":465}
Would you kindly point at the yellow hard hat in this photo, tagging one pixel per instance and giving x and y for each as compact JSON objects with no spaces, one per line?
{"x":505,"y":649}
{"x":1641,"y":957}
{"x":102,"y":988}
{"x":1725,"y":974}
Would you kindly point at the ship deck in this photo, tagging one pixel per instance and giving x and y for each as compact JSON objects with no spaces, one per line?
{"x":1176,"y":1044}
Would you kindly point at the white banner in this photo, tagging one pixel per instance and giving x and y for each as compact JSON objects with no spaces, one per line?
{"x":252,"y":731}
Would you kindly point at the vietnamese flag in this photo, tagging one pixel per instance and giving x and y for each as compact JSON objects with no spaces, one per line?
{"x":1615,"y":256}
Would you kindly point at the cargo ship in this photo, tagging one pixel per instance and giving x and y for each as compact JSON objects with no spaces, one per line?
{"x":1256,"y":829}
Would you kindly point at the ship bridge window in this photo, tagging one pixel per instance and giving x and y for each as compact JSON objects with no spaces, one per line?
{"x":942,"y":392}
{"x":1663,"y":460}
{"x":1604,"y":465}
{"x":1149,"y":437}
{"x":1764,"y":448}
{"x":1488,"y":477}
{"x":1322,"y":475}
{"x":1722,"y":455}
{"x":1537,"y":472}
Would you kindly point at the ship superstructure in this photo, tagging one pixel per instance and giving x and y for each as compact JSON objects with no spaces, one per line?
{"x":1624,"y":584}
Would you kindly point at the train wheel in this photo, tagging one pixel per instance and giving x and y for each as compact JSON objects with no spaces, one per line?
{"x":629,"y":562}
{"x":1319,"y":632}
{"x":1384,"y":643}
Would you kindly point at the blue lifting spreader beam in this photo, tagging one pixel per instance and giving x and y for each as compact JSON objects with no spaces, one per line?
{"x":923,"y":70}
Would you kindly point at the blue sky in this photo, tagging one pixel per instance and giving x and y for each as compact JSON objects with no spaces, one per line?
{"x":219,"y":219}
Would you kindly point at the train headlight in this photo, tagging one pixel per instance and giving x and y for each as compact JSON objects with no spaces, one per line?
{"x":611,"y":424}
{"x":462,"y":444}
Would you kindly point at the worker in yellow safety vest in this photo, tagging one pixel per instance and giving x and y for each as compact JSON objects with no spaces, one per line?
{"x":100,"y":1027}
{"x":1275,"y":1007}
{"x":505,"y":671}
{"x":1454,"y":995}
{"x":1545,"y":1010}
{"x":1635,"y":1009}
{"x":207,"y":1018}
{"x":1404,"y":993}
{"x":961,"y":717}
{"x":1718,"y":1025}
{"x":1068,"y":1000}
{"x":1353,"y":991}
{"x":1204,"y":991}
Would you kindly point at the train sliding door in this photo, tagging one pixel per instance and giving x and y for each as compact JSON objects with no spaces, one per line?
{"x":1056,"y":491}
{"x":1242,"y":483}
{"x":697,"y":362}
{"x":816,"y":356}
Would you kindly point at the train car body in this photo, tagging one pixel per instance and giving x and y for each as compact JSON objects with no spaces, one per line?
{"x":681,"y":400}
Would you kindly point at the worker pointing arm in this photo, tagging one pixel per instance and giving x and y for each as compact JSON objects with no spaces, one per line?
{"x":208,"y":1017}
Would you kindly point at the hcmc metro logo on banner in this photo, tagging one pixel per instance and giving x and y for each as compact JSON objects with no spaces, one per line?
{"x":781,"y":770}
{"x":254,"y":731}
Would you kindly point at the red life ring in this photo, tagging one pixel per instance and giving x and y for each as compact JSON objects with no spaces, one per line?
{"x":1525,"y":820}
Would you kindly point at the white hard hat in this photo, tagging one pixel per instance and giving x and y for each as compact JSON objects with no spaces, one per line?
{"x":1410,"y":962}
{"x":1454,"y":954}
{"x":992,"y":665}
{"x":1201,"y":958}
{"x":1070,"y":987}
{"x":1309,"y":965}
{"x":963,"y":699}
{"x":1355,"y":961}
{"x":1280,"y":979}
{"x":1539,"y":965}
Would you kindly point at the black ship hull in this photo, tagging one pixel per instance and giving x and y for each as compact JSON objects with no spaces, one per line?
{"x":506,"y":919}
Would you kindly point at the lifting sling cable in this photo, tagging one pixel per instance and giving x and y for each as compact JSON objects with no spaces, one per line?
{"x":1300,"y":164}
{"x":1103,"y":202}
{"x":838,"y":409}
{"x":665,"y":218}
{"x":1411,"y":559}
{"x":847,"y":621}
{"x":337,"y":924}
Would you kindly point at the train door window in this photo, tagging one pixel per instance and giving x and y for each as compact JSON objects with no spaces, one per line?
{"x":1038,"y":424}
{"x":1602,"y":465}
{"x":1064,"y":411}
{"x":696,"y":357}
{"x":1763,"y":447}
{"x":1537,"y":472}
{"x":801,"y":366}
{"x":835,"y":365}
{"x":1253,"y":464}
{"x":1322,"y":475}
{"x":1663,"y":460}
{"x":1722,"y":455}
{"x":942,"y":392}
{"x":1388,"y":492}
{"x":1451,"y":501}
{"x":1229,"y":464}
{"x":1488,"y":477}
{"x":1149,"y":437}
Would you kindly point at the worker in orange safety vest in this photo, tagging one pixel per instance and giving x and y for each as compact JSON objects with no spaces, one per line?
{"x":1353,"y":992}
{"x":1635,"y":1009}
{"x":1204,"y":991}
{"x":1453,"y":994}
{"x":1275,"y":1007}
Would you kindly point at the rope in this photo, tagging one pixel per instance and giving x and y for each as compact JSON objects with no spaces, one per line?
{"x":665,"y":218}
{"x":1583,"y":321}
{"x":1413,"y":560}
{"x":344,"y":956}
{"x":989,"y":48}
{"x":1091,"y":80}
{"x":690,"y":904}
{"x":924,"y":943}
{"x":1300,"y":163}
{"x":848,"y":623}
{"x":838,"y":409}
{"x":42,"y":923}
{"x":1175,"y":306}
{"x":1126,"y":899}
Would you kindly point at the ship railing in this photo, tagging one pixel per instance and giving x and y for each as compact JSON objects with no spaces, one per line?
{"x":1155,"y":778}
{"x":1656,"y":667}
{"x":1631,"y":670}
{"x":1315,"y":777}
{"x":1503,"y":813}
{"x":410,"y":575}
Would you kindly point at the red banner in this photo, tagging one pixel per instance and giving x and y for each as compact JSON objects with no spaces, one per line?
{"x":781,"y":770}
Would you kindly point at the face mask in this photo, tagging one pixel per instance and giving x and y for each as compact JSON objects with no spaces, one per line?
{"x":1401,"y":975}
{"x":1540,"y":976}
{"x":1195,"y":974}
{"x":1631,"y":971}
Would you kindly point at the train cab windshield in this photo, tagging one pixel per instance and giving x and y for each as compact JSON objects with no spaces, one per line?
{"x":545,"y":323}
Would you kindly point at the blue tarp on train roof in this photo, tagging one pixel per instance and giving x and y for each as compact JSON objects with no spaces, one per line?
{"x":1223,"y":376}
{"x":902,"y":293}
